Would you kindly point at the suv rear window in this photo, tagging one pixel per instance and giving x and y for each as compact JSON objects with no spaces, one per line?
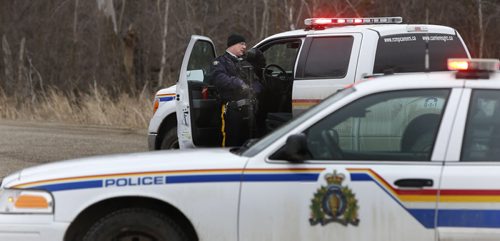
{"x":406,"y":52}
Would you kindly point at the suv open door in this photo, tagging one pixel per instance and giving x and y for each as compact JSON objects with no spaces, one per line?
{"x":198,"y":110}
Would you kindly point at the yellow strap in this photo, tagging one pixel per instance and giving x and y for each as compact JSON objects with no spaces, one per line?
{"x":223,"y":125}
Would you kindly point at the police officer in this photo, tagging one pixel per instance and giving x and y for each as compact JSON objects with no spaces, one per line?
{"x":234,"y":80}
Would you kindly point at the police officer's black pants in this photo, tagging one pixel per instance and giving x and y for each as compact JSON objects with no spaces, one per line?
{"x":235,"y":125}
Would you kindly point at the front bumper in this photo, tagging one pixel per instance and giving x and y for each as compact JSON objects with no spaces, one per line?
{"x":31,"y":227}
{"x":152,"y":141}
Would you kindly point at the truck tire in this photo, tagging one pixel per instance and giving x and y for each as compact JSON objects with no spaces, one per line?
{"x":138,"y":224}
{"x":170,"y":140}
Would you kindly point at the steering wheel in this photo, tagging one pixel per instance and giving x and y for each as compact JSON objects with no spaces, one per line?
{"x":282,"y":73}
{"x":280,"y":76}
{"x":331,"y":144}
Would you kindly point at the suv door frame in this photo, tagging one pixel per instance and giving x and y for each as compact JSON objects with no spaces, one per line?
{"x":183,"y":111}
{"x":310,"y":91}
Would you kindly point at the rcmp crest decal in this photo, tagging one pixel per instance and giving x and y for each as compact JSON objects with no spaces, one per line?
{"x":334,"y":203}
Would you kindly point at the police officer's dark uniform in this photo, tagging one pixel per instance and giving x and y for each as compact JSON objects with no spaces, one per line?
{"x":232,"y":77}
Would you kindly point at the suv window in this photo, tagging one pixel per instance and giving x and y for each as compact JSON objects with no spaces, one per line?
{"x":482,"y":132}
{"x":202,"y":56}
{"x":327,"y":57}
{"x":282,"y":53}
{"x":406,"y":52}
{"x":398,"y":125}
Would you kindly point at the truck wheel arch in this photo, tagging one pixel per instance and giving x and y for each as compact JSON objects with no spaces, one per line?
{"x":168,"y":123}
{"x":85,"y":219}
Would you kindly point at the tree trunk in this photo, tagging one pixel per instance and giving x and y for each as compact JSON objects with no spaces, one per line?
{"x":164,"y":45}
{"x":107,"y":7}
{"x":265,"y":20}
{"x":75,"y":22}
{"x":9,"y":69}
{"x":481,"y":31}
{"x":21,"y":85}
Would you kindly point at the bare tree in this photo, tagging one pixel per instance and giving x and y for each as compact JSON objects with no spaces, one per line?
{"x":107,"y":7}
{"x":21,"y":82}
{"x":164,"y":44}
{"x":74,"y":45}
{"x":8,"y":66}
{"x":264,"y":19}
{"x":481,"y":29}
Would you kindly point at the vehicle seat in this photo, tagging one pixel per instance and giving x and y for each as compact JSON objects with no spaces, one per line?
{"x":419,"y":134}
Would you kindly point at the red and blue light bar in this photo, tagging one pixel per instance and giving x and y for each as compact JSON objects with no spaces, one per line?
{"x":474,"y":64}
{"x":325,"y":22}
{"x":473,"y":68}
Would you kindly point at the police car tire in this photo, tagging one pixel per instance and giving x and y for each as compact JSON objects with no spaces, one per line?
{"x":170,"y":140}
{"x":135,"y":222}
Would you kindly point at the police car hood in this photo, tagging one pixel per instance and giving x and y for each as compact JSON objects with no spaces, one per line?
{"x":127,"y":164}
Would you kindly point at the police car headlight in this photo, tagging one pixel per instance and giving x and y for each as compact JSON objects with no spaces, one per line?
{"x":15,"y":201}
{"x":156,"y":104}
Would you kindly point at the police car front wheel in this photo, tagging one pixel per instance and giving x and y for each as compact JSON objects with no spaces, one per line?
{"x":138,"y":224}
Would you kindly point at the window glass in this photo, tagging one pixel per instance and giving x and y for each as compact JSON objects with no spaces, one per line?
{"x":202,"y":56}
{"x":398,"y":125}
{"x":284,"y":129}
{"x":328,"y":57}
{"x":406,"y":52}
{"x":482,"y":131}
{"x":282,"y":54}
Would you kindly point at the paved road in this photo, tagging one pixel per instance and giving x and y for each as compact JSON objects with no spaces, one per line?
{"x":24,"y":144}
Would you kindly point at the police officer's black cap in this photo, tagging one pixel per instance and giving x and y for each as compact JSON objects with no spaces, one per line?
{"x":234,"y":39}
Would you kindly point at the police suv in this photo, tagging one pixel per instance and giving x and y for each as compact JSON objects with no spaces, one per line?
{"x":429,"y":172}
{"x":302,"y":68}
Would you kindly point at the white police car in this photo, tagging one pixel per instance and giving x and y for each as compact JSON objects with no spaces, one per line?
{"x":302,"y":68}
{"x":401,"y":157}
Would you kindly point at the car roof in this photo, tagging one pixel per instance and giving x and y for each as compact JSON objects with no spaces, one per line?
{"x":443,"y":79}
{"x":381,"y":29}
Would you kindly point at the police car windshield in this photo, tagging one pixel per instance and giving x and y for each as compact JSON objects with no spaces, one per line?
{"x":283,"y":130}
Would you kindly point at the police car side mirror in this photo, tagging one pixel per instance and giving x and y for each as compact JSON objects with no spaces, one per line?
{"x":295,"y":149}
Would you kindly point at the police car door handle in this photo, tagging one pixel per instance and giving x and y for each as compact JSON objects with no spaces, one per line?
{"x":414,"y":182}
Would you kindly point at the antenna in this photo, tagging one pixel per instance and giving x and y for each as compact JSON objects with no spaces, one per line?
{"x":426,"y":61}
{"x":427,"y":54}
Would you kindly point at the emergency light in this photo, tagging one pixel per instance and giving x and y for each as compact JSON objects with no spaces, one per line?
{"x":473,"y":64}
{"x":473,"y":68}
{"x":321,"y":23}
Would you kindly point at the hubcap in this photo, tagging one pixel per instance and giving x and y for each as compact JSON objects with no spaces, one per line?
{"x":135,"y":235}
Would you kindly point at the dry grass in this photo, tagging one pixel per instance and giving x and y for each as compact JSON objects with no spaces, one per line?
{"x":96,"y":108}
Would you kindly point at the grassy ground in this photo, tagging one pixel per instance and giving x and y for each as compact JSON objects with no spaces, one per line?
{"x":96,"y":108}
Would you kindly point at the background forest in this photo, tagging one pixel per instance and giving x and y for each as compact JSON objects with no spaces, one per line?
{"x":100,"y":61}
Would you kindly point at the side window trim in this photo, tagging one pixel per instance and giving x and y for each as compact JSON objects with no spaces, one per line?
{"x":450,"y":125}
{"x":455,"y":138}
{"x":299,"y":74}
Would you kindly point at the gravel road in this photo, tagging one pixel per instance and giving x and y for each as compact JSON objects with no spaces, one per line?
{"x":24,"y":144}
